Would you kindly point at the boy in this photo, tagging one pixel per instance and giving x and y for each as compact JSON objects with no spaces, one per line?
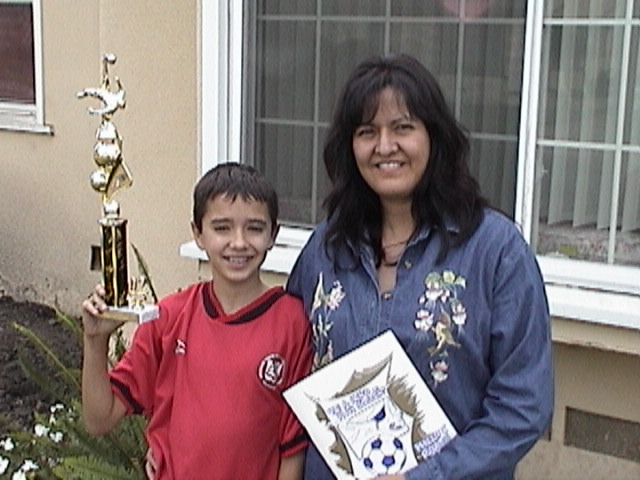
{"x":209,"y":372}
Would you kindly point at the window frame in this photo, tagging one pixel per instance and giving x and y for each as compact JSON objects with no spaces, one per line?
{"x":29,"y":117}
{"x":587,"y":291}
{"x":608,"y":294}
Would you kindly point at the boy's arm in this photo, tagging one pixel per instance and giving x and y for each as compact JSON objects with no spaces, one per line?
{"x":101,"y":409}
{"x":291,"y":467}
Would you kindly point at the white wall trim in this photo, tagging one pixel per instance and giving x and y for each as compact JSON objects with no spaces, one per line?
{"x":588,"y":302}
{"x":280,"y":258}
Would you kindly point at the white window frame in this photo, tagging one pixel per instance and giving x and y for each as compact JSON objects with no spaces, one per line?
{"x":221,"y":25}
{"x":603,"y":294}
{"x":21,"y":117}
{"x":607,"y":294}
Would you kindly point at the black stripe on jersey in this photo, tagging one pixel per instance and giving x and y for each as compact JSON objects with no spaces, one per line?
{"x":296,"y":441}
{"x":246,"y":317}
{"x":137,"y":408}
{"x":260,"y":309}
{"x":208,"y":301}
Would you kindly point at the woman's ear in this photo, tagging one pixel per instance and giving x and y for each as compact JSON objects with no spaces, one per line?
{"x":274,"y":234}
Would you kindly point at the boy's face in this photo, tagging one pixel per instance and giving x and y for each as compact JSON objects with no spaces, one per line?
{"x":236,"y":235}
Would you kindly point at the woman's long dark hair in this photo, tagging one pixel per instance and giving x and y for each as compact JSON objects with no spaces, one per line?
{"x":446,"y":190}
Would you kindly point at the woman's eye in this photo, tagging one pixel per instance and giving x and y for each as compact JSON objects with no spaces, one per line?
{"x":364,"y":131}
{"x":404,"y":126}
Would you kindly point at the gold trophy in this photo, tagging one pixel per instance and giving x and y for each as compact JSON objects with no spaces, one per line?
{"x":125,"y":297}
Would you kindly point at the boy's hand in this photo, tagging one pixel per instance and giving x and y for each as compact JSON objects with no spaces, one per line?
{"x":92,"y":307}
{"x":150,"y":465}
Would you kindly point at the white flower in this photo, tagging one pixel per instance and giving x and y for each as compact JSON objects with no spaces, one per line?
{"x":424,"y":320}
{"x":335,"y":296}
{"x":29,"y":465}
{"x":40,"y":430}
{"x":7,"y":444}
{"x":433,"y":293}
{"x":439,"y":371}
{"x":19,"y":475}
{"x":4,"y":463}
{"x":55,"y":409}
{"x":459,"y":312}
{"x":56,"y":436}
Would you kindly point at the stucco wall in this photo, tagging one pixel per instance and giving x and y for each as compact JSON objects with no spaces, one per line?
{"x":49,"y":211}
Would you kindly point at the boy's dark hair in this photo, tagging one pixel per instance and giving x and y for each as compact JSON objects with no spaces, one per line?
{"x":233,"y":179}
{"x":446,"y":191}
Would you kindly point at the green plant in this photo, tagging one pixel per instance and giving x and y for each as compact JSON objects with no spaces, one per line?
{"x":58,"y":447}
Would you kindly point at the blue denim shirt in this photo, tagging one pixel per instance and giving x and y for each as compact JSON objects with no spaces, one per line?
{"x":476,"y":326}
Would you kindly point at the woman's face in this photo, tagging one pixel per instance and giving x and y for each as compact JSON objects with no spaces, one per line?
{"x":392,"y":150}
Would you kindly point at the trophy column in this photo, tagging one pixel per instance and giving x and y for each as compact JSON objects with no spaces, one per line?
{"x":114,"y":260}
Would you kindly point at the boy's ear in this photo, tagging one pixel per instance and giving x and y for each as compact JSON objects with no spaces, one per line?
{"x":195,"y":231}
{"x":274,"y":234}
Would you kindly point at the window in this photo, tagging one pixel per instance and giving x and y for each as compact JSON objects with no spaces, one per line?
{"x":580,"y":160}
{"x":305,"y":50}
{"x":20,"y":66}
{"x":547,"y":90}
{"x":588,"y":158}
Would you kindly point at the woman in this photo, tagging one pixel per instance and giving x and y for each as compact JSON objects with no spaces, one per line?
{"x":410,"y":245}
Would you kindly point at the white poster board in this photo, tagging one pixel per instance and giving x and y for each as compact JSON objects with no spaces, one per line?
{"x":370,"y":412}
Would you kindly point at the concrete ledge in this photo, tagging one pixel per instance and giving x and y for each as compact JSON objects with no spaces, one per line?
{"x":596,"y":335}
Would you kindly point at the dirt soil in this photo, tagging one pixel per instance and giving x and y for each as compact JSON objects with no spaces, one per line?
{"x":19,"y":396}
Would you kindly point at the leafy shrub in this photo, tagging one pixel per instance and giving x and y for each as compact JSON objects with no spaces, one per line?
{"x":58,"y":447}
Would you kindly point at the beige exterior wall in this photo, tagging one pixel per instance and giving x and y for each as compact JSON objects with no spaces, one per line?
{"x":49,"y":211}
{"x":600,"y":382}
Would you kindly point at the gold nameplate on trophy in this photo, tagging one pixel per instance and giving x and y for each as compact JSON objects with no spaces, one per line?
{"x":125,"y":297}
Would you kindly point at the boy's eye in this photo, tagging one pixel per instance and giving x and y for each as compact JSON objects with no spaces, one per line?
{"x":220,"y":228}
{"x":256,"y":228}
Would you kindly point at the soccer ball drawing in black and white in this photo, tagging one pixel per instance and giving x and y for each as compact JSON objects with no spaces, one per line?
{"x":384,"y":454}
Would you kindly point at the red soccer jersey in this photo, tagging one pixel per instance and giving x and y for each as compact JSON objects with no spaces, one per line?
{"x":211,"y":384}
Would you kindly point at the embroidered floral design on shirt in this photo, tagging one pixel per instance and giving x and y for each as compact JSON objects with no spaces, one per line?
{"x":323,"y":305}
{"x":440,"y":319}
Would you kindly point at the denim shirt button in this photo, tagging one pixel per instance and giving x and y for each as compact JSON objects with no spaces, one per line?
{"x":386,"y":295}
{"x":408,"y":264}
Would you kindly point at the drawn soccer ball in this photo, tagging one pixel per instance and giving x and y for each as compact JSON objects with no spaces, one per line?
{"x":384,"y":455}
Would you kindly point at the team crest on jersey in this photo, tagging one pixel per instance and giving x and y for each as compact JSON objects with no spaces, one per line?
{"x":271,"y":370}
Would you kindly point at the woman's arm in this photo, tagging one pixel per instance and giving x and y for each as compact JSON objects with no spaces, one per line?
{"x":518,"y":399}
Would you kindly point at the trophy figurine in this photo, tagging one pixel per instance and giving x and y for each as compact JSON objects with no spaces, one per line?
{"x":125,"y":297}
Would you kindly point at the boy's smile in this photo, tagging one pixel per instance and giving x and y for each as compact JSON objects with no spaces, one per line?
{"x":236,"y":235}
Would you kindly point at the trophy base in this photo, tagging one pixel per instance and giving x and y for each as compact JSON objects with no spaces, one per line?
{"x":143,"y":314}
